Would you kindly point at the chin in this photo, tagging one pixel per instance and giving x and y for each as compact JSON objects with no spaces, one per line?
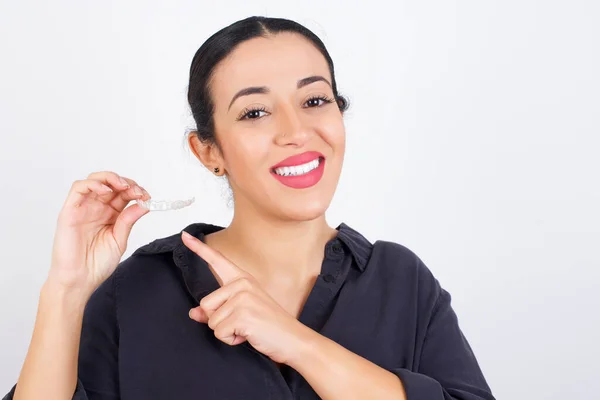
{"x":306,"y":211}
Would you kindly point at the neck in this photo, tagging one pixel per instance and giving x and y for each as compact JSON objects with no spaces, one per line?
{"x":275,"y":249}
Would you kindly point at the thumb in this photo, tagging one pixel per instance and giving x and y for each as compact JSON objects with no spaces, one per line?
{"x":198,"y":315}
{"x":125,"y":222}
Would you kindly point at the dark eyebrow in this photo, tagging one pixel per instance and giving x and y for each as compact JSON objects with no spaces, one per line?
{"x":249,"y":91}
{"x":264,"y":90}
{"x":311,"y":79}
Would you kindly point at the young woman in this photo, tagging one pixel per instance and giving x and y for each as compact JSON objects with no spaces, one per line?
{"x":277,"y":305}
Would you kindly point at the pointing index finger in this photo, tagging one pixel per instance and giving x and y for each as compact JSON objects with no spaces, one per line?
{"x":224,"y":269}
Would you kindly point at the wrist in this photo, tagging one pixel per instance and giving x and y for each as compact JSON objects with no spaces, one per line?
{"x":67,"y":296}
{"x":306,"y":348}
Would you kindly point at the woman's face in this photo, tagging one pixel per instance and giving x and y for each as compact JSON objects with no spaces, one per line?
{"x":273,"y":100}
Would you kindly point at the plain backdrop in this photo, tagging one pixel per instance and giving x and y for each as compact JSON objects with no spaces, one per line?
{"x":472,"y":140}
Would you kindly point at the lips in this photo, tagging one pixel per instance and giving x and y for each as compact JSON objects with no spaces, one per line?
{"x":305,"y":180}
{"x":299,"y":159}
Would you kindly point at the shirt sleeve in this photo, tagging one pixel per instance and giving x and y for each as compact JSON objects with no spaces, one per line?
{"x":98,"y":350}
{"x":447,"y":368}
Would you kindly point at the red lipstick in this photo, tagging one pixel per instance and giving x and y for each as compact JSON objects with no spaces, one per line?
{"x":299,"y":159}
{"x":301,"y":181}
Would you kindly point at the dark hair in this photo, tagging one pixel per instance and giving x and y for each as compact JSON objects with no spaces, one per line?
{"x":219,"y":46}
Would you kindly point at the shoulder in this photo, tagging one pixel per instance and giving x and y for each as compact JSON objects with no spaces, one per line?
{"x":163,"y":248}
{"x":151,"y":265}
{"x":393,"y":252}
{"x":398,"y":258}
{"x":400,"y":266}
{"x":386,"y":260}
{"x":171,"y":242}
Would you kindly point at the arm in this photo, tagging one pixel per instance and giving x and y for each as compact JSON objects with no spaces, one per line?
{"x":241,"y":310}
{"x":72,"y":341}
{"x":50,"y":367}
{"x":91,"y":236}
{"x":446,"y":369}
{"x":336,"y":373}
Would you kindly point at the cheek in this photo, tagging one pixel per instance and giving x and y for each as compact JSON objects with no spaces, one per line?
{"x":334,"y":133}
{"x":247,"y":152}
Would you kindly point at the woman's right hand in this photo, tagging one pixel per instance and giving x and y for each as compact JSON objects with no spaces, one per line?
{"x":92,"y":230}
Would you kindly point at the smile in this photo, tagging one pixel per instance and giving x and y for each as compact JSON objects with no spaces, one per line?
{"x":298,"y":170}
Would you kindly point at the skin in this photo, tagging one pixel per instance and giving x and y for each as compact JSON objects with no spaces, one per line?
{"x":270,"y":255}
{"x":291,"y":221}
{"x":279,"y":233}
{"x":90,"y":238}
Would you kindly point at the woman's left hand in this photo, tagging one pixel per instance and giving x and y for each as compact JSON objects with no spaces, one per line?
{"x":241,"y":310}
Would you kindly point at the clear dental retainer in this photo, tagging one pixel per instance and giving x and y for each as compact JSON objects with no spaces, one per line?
{"x":165,"y":205}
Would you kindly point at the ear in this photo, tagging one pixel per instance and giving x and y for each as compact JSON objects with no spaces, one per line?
{"x":208,"y":153}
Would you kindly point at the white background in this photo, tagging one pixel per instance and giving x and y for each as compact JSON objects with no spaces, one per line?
{"x":472,"y":140}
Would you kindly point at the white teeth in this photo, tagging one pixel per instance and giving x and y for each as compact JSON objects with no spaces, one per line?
{"x":298,"y":169}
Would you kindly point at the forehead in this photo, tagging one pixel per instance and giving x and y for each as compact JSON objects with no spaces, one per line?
{"x":277,"y":61}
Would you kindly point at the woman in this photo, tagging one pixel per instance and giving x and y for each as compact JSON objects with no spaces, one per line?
{"x":278,"y":305}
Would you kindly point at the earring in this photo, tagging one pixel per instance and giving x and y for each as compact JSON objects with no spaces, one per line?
{"x":216,"y":169}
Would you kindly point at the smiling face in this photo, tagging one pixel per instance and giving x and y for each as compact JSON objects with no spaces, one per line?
{"x":279,"y":127}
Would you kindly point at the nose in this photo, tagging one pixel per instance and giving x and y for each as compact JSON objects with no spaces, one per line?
{"x":291,"y":131}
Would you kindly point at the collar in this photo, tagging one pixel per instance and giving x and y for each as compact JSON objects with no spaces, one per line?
{"x":200,"y":281}
{"x":357,"y":244}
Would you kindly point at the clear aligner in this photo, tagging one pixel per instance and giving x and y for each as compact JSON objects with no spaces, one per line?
{"x":165,"y":205}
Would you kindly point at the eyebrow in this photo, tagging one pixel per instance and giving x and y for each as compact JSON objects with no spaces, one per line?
{"x":264,"y":90}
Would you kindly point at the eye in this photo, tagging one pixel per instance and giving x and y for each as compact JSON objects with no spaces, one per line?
{"x":318,"y":101}
{"x":252,"y":113}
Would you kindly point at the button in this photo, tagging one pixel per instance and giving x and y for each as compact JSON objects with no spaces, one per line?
{"x":329,"y":278}
{"x":337,"y":248}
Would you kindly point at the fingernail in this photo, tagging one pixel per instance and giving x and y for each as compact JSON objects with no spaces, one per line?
{"x":138,"y":191}
{"x":187,"y":235}
{"x":193,"y":314}
{"x":106,"y":188}
{"x":145,"y":192}
{"x":123,"y":182}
